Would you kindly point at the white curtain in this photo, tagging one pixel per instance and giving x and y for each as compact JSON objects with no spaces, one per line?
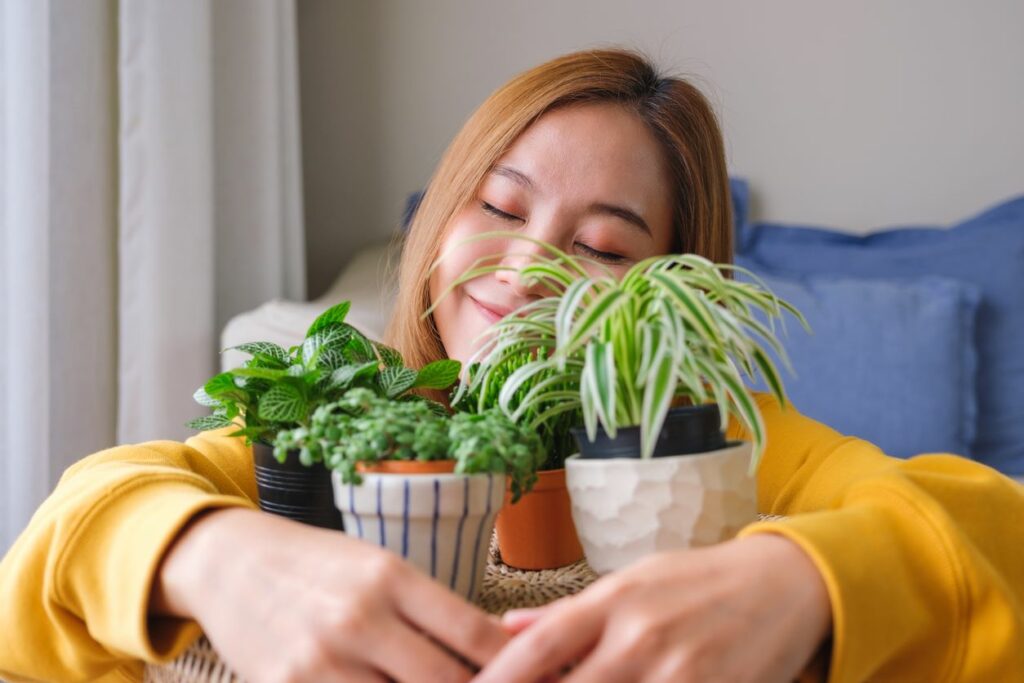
{"x":150,"y":188}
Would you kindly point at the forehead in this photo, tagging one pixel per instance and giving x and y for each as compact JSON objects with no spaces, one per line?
{"x":593,"y":152}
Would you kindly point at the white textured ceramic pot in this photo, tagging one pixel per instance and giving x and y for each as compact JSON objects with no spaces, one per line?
{"x":441,"y":523}
{"x":626,"y":508}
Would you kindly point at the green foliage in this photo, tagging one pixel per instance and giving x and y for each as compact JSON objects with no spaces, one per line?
{"x":550,"y":417}
{"x":478,"y":443}
{"x":279,"y":389}
{"x":616,"y":352}
{"x":363,"y":427}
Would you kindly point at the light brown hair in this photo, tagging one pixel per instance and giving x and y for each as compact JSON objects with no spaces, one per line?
{"x":675,"y":111}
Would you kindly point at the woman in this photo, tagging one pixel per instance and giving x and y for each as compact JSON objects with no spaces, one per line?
{"x":887,"y":569}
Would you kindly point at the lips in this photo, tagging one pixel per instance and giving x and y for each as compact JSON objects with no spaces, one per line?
{"x":491,"y":312}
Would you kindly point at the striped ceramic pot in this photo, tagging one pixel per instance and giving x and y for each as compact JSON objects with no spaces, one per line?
{"x":439,"y":521}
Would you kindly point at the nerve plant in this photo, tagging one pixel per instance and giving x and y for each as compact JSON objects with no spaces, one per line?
{"x":278,"y":389}
{"x":619,"y":352}
{"x":364,"y":428}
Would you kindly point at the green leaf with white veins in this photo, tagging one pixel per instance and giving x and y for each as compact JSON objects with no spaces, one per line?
{"x":283,"y":403}
{"x":396,"y":381}
{"x":358,"y":348}
{"x":335,"y":315}
{"x":202,"y":424}
{"x":222,"y":386}
{"x":388,"y":356}
{"x":342,"y":377}
{"x":204,"y":399}
{"x":265,"y":349}
{"x":329,"y":337}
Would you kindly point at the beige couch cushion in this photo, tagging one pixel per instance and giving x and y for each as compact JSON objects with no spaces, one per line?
{"x":369,"y":282}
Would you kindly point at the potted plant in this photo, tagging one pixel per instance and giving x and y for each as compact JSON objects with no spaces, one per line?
{"x":280,"y":389}
{"x":417,"y":481}
{"x":546,"y":506}
{"x":674,"y":329}
{"x":537,"y":532}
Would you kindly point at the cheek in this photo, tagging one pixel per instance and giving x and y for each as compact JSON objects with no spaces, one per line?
{"x":453,"y":318}
{"x":456,"y":258}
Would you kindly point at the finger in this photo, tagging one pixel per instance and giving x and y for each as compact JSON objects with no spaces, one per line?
{"x":605,"y":665}
{"x":517,"y":620}
{"x":564,"y":633}
{"x":405,"y":655}
{"x":358,"y":675}
{"x":466,"y":629}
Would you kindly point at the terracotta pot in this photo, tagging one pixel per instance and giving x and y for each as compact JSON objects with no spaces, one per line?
{"x":538,"y":531}
{"x":409,"y":467}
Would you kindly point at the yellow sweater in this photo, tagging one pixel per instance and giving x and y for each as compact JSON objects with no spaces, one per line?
{"x":923,"y":558}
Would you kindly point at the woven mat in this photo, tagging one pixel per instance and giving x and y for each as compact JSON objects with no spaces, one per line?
{"x":504,"y":588}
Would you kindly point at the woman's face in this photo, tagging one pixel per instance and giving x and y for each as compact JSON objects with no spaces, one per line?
{"x":590,"y":179}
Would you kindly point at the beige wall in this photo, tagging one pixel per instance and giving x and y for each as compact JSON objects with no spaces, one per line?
{"x":854,"y":114}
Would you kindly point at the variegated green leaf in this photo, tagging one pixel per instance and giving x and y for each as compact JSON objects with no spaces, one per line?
{"x":388,"y":356}
{"x":335,"y":315}
{"x":222,"y":386}
{"x":283,"y":403}
{"x":770,"y":374}
{"x":600,"y":367}
{"x":265,"y":349}
{"x":396,"y":381}
{"x":568,"y":308}
{"x":661,"y":386}
{"x":594,"y":314}
{"x":690,"y":304}
{"x":208,"y":422}
{"x":204,"y":399}
{"x":344,"y":376}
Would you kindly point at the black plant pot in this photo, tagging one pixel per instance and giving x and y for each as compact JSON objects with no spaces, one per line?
{"x":292,"y":490}
{"x":687,"y":430}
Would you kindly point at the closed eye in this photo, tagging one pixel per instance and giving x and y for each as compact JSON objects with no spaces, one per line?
{"x":603,"y":256}
{"x":498,"y":213}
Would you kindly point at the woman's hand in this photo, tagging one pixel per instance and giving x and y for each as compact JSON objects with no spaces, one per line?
{"x":754,"y":609}
{"x":282,"y":601}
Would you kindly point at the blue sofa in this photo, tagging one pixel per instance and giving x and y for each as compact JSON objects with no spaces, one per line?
{"x":918,"y":331}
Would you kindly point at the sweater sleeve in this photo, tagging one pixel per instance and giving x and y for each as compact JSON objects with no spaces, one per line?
{"x":75,"y":586}
{"x":923,"y":558}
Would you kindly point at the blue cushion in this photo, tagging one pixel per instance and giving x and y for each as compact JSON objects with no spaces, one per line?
{"x":890,"y":361}
{"x":986,"y":250}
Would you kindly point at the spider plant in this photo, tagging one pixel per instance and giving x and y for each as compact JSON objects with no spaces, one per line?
{"x":618,"y":351}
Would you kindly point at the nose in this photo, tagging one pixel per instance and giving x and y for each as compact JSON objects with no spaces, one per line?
{"x":520,"y":253}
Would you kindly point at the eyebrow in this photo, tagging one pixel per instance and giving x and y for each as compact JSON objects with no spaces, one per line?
{"x":628,"y":215}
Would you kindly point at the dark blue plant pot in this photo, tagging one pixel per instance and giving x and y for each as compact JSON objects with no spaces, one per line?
{"x":687,"y":430}
{"x":292,"y":490}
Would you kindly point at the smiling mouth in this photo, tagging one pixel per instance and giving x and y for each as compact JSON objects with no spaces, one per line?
{"x":489,"y":313}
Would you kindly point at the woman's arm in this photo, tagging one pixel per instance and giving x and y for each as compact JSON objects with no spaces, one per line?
{"x":138,"y":544}
{"x":916,"y":567}
{"x":75,"y":586}
{"x":283,"y":601}
{"x":923,"y":558}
